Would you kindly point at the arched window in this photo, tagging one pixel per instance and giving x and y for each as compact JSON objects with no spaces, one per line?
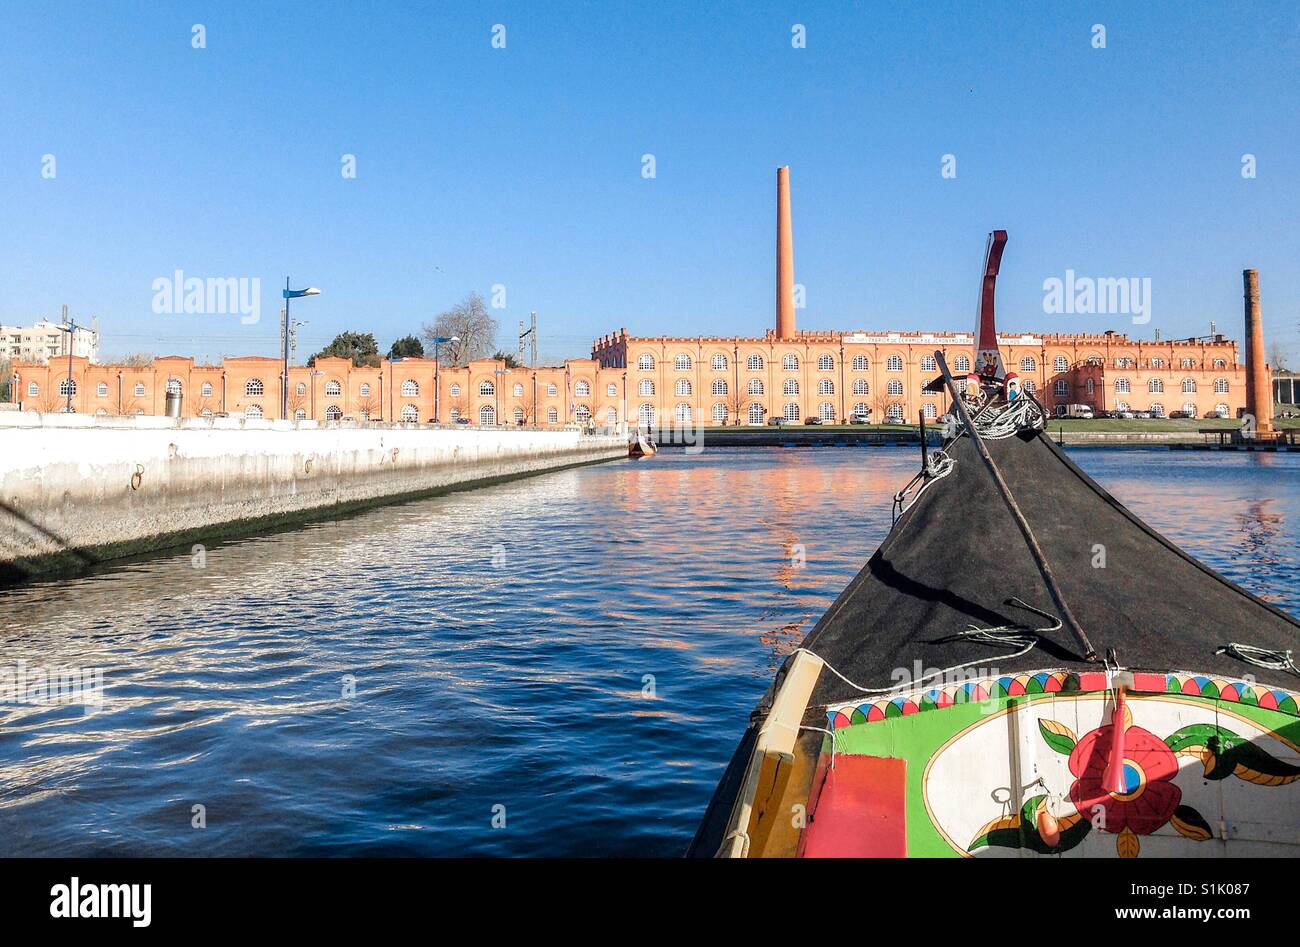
{"x":683,"y":387}
{"x":755,"y":386}
{"x":518,"y":390}
{"x":333,"y":389}
{"x":682,"y":412}
{"x":1220,"y":386}
{"x":455,"y":390}
{"x":102,"y":389}
{"x":1189,"y":385}
{"x":552,"y":391}
{"x":299,"y":415}
{"x":719,"y":363}
{"x":33,"y":389}
{"x":961,"y":363}
{"x":719,"y":386}
{"x":1062,"y":387}
{"x":1190,"y":409}
{"x":364,"y":390}
{"x":583,"y":414}
{"x":253,"y":388}
{"x":719,"y":414}
{"x":826,"y":363}
{"x":253,"y":411}
{"x":410,"y":413}
{"x":410,"y":389}
{"x":754,"y":363}
{"x":140,"y":392}
{"x":67,"y":387}
{"x":1060,"y":364}
{"x":332,"y":413}
{"x":646,"y":415}
{"x":1122,"y":386}
{"x":860,"y":363}
{"x":790,"y":387}
{"x":1220,"y":363}
{"x":894,"y":363}
{"x":825,"y":387}
{"x":1027,"y":364}
{"x":486,"y":388}
{"x":300,"y":389}
{"x":682,"y":363}
{"x":826,"y":411}
{"x":929,"y":411}
{"x":611,"y":390}
{"x":1121,"y":406}
{"x":646,"y":363}
{"x":1221,"y":409}
{"x":1155,"y":386}
{"x":1091,"y":386}
{"x":487,"y":415}
{"x":646,"y":387}
{"x":1189,"y":363}
{"x":895,"y":387}
{"x":860,"y":387}
{"x":1157,"y":409}
{"x":1157,"y":363}
{"x":582,"y":389}
{"x":755,"y":414}
{"x":1030,"y":387}
{"x":928,"y":363}
{"x":791,"y":411}
{"x":1123,"y":362}
{"x":894,"y":413}
{"x":173,"y":386}
{"x":861,"y":409}
{"x":552,"y":416}
{"x":790,"y":363}
{"x":611,"y":416}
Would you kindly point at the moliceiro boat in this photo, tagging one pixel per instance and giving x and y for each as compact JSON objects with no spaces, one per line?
{"x":1023,"y":668}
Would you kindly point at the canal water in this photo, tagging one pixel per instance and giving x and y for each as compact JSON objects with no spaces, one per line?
{"x":554,"y":666}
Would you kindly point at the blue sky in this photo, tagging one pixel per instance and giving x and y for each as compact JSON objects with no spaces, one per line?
{"x":522,"y":166}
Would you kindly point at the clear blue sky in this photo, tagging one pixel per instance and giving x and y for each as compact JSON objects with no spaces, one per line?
{"x":522,"y":166}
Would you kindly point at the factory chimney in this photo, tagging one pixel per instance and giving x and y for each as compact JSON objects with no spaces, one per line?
{"x":1259,"y":386}
{"x":784,"y":257}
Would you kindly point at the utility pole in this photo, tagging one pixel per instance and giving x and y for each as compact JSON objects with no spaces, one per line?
{"x":70,"y":328}
{"x":529,"y":334}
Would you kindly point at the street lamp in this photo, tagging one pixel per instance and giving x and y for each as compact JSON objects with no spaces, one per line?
{"x":439,"y":340}
{"x":284,"y":385}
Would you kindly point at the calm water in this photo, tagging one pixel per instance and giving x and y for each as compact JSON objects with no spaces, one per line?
{"x":502,"y":643}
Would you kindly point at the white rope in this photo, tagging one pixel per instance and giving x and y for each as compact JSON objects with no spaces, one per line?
{"x":829,"y":733}
{"x":1013,"y":636}
{"x":1261,"y":657}
{"x":937,"y":466}
{"x":1017,"y":416}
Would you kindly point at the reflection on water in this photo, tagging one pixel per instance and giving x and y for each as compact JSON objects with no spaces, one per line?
{"x":582,"y":648}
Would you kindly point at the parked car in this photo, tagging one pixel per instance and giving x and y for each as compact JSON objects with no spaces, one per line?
{"x":1144,"y":415}
{"x":1126,"y":415}
{"x":813,"y":420}
{"x":1181,"y":414}
{"x":858,"y":418}
{"x":776,"y":422}
{"x":1222,"y":414}
{"x":462,"y":420}
{"x":1078,"y":411}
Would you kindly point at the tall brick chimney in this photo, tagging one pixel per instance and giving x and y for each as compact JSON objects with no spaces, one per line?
{"x":1259,"y":386}
{"x":784,"y":257}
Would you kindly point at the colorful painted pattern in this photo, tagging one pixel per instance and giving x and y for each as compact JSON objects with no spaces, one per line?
{"x":1051,"y":682}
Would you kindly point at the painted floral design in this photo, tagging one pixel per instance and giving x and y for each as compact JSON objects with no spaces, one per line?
{"x":1148,"y":800}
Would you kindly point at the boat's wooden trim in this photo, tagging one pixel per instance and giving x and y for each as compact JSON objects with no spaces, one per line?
{"x":768,"y":773}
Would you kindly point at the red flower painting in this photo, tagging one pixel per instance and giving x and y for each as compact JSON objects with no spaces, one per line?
{"x":1149,"y":798}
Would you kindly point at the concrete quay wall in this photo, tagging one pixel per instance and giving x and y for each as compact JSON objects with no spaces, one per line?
{"x":75,"y":490}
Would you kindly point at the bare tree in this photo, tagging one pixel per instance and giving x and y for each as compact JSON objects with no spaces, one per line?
{"x":468,"y":321}
{"x":1277,"y":355}
{"x":137,"y":360}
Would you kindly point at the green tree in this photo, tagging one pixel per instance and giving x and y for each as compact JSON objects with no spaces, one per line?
{"x":360,"y":347}
{"x":407,"y":347}
{"x":510,"y":360}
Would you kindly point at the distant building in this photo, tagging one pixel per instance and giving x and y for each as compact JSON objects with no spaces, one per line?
{"x":1286,"y":387}
{"x":45,"y":340}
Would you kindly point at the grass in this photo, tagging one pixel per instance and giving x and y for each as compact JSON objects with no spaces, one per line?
{"x":1140,"y":425}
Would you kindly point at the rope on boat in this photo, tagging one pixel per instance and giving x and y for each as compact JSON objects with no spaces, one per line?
{"x":829,"y":733}
{"x":1017,"y":416}
{"x":1261,"y":657}
{"x":1013,"y":636}
{"x":937,"y":466}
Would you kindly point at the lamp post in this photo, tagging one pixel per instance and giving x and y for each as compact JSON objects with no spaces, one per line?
{"x":437,"y":388}
{"x":71,"y":329}
{"x":311,"y":377}
{"x":284,"y":384}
